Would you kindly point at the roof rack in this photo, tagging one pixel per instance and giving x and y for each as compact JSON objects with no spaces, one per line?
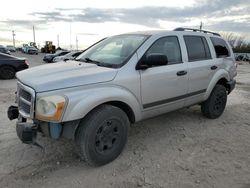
{"x":195,"y":30}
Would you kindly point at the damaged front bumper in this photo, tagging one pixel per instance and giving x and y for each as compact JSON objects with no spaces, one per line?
{"x":26,"y":131}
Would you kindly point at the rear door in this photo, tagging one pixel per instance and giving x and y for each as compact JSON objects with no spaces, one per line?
{"x":201,"y":67}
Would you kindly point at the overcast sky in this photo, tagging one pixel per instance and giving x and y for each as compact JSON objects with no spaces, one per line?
{"x":91,"y":20}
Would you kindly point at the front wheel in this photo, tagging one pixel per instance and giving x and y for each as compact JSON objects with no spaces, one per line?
{"x":7,"y":72}
{"x":214,"y":106}
{"x":102,"y":135}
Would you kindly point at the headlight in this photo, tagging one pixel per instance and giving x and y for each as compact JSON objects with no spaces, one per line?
{"x":50,"y":108}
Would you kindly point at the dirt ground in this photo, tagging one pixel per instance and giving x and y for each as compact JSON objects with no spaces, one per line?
{"x":181,"y":149}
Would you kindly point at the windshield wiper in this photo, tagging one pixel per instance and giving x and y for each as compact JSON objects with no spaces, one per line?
{"x":88,"y":60}
{"x":91,"y":60}
{"x":98,"y":63}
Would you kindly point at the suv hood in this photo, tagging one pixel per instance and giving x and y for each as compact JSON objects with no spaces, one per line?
{"x":63,"y":75}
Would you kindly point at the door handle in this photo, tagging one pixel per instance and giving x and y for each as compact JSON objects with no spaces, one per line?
{"x":213,"y":67}
{"x":181,"y":73}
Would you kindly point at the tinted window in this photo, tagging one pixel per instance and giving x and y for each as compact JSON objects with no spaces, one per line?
{"x":168,"y":46}
{"x":63,"y":53}
{"x":197,"y":48}
{"x":2,"y":50}
{"x":76,"y":54}
{"x":220,"y":47}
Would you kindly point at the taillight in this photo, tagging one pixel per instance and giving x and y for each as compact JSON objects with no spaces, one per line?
{"x":26,"y":62}
{"x":236,"y":64}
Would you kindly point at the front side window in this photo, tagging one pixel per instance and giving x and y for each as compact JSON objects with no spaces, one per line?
{"x":168,"y":46}
{"x":113,"y":51}
{"x":197,"y":48}
{"x":220,"y":47}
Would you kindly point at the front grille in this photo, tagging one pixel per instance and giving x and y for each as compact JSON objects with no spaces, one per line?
{"x":25,"y":107}
{"x":25,"y":94}
{"x":25,"y":100}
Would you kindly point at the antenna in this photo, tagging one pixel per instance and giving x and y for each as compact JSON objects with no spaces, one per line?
{"x":201,"y":25}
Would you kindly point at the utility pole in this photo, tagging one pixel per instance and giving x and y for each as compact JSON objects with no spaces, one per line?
{"x":70,"y":33}
{"x":76,"y":43}
{"x":57,"y":40}
{"x":13,"y":35}
{"x":34,"y":36}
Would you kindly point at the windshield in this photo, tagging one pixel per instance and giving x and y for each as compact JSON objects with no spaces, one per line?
{"x":113,"y":51}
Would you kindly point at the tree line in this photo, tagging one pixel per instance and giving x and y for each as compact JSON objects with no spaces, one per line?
{"x":237,"y":42}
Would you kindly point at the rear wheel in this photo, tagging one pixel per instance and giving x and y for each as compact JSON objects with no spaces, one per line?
{"x":7,"y":72}
{"x":102,"y":135}
{"x":214,"y":106}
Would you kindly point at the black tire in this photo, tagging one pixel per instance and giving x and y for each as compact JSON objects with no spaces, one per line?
{"x":102,"y":135}
{"x":7,"y":72}
{"x":214,"y":106}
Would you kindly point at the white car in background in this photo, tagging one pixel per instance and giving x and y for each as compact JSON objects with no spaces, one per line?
{"x":69,"y":56}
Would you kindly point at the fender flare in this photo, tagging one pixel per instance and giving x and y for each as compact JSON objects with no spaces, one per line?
{"x":87,"y":100}
{"x":217,"y":76}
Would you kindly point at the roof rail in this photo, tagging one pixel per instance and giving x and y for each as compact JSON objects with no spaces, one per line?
{"x":195,"y":30}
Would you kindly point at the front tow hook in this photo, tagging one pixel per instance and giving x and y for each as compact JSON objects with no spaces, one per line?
{"x":12,"y":112}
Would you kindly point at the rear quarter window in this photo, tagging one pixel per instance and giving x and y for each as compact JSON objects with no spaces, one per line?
{"x":221,"y":48}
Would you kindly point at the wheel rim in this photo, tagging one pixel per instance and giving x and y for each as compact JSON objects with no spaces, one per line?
{"x":107,"y":136}
{"x":219,"y":102}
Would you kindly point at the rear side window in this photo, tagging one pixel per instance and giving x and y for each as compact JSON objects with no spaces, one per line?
{"x":197,"y":48}
{"x":220,"y":46}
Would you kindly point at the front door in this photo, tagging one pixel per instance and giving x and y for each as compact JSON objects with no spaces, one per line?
{"x":164,"y":87}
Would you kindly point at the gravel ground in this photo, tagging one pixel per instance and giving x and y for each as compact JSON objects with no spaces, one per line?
{"x":181,"y":149}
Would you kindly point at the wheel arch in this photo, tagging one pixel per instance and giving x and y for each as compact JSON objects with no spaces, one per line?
{"x":119,"y":104}
{"x":221,"y":77}
{"x":223,"y":81}
{"x":125,"y":107}
{"x":85,"y":101}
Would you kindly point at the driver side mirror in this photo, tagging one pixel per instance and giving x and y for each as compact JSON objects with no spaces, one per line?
{"x":152,"y":60}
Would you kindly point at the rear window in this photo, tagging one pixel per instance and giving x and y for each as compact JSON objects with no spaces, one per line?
{"x":220,"y":46}
{"x":197,"y":48}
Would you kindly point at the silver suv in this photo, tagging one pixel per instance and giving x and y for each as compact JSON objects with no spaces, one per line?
{"x":122,"y":80}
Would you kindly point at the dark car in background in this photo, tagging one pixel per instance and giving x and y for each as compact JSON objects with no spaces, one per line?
{"x":11,"y":48}
{"x":4,"y":50}
{"x":9,"y":65}
{"x":48,"y":58}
